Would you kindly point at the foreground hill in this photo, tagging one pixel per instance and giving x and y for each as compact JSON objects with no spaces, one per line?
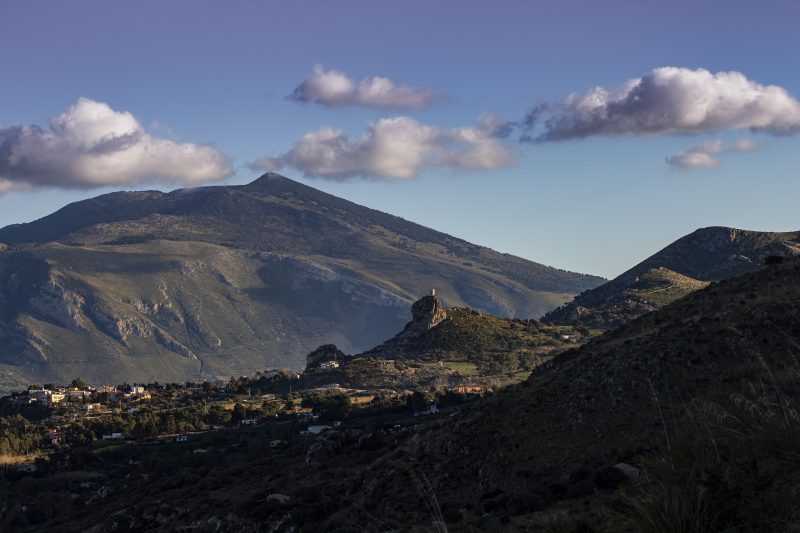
{"x":217,"y":281}
{"x":702,"y":395}
{"x":688,"y":264}
{"x":685,"y":419}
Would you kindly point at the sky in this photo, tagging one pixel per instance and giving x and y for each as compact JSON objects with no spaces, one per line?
{"x":580,"y":134}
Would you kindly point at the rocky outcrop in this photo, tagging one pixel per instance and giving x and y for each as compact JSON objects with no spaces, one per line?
{"x":59,"y":304}
{"x":426,"y":313}
{"x":325,"y":353}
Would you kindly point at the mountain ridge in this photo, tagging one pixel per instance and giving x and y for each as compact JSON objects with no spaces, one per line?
{"x":706,"y":255}
{"x":226,"y":280}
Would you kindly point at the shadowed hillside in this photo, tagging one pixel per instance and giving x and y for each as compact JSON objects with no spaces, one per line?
{"x":685,"y":419}
{"x":688,"y":264}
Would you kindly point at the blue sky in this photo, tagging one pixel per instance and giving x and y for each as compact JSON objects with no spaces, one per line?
{"x":218,"y":73}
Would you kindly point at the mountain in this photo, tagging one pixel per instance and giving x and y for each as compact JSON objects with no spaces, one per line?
{"x":220,"y":281}
{"x":686,"y":265}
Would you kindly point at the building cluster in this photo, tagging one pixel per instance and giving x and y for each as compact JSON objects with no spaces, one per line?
{"x":90,"y":397}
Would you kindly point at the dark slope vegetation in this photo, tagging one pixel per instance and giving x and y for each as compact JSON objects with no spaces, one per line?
{"x":706,"y":386}
{"x":221,"y":281}
{"x":708,"y":254}
{"x":700,"y":398}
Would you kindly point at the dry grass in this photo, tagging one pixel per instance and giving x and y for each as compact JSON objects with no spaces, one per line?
{"x":733,"y":465}
{"x":7,"y":459}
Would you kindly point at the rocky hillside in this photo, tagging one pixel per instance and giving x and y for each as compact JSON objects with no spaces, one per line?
{"x":217,"y":281}
{"x":447,"y":346}
{"x":688,"y":264}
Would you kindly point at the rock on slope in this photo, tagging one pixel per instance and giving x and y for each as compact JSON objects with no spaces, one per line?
{"x":219,"y":281}
{"x":688,"y":264}
{"x":446,"y":346}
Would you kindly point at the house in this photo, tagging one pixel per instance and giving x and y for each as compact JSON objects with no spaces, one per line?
{"x":93,"y":407}
{"x":56,"y":397}
{"x":39,"y":395}
{"x":77,"y":395}
{"x":469,"y":389}
{"x":45,"y":396}
{"x":248,"y":422}
{"x":329,"y":365}
{"x":137,"y":391}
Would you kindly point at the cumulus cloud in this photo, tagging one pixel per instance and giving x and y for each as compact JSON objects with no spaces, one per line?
{"x":92,"y":145}
{"x":333,"y":88}
{"x":706,"y":155}
{"x":668,"y":100}
{"x":394,"y":148}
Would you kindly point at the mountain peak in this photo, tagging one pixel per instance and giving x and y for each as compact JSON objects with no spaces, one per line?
{"x":273,"y":182}
{"x":268,"y":179}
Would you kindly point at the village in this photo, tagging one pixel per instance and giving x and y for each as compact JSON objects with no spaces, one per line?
{"x":276,"y":405}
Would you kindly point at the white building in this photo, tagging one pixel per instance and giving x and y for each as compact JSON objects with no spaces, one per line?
{"x":45,"y":396}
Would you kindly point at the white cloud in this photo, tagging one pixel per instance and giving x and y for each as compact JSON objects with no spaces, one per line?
{"x":668,"y":100}
{"x":334,"y":88}
{"x":744,"y":145}
{"x":393,"y":148}
{"x":9,"y":186}
{"x":706,"y":155}
{"x":92,"y":145}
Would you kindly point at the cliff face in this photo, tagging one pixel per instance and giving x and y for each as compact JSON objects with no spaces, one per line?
{"x":220,"y":281}
{"x":323,"y":354}
{"x":426,"y":313}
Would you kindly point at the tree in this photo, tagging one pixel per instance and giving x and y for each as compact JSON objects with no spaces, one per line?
{"x":335,"y":407}
{"x":239,"y":413}
{"x":79,"y":384}
{"x":270,"y":408}
{"x":419,"y":401}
